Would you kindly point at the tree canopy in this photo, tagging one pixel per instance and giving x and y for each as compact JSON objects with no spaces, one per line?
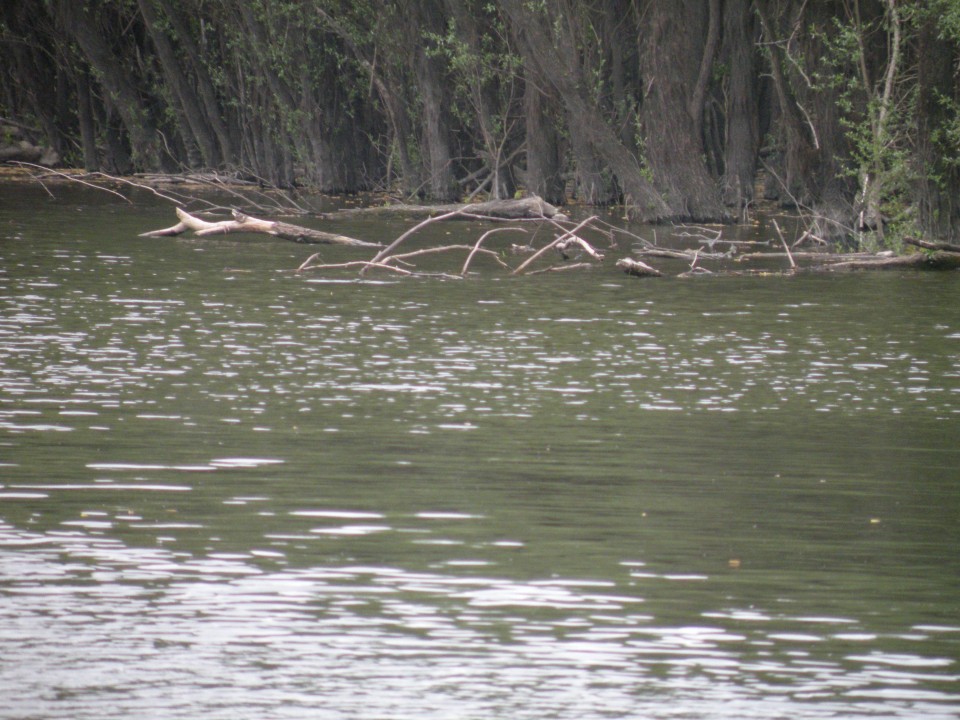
{"x":678,"y":109}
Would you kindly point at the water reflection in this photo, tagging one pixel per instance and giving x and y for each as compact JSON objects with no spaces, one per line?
{"x":243,"y":493}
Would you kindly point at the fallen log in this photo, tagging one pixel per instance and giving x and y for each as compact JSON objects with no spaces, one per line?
{"x":926,"y":245}
{"x":528,"y":208}
{"x":660,"y":252}
{"x":245,"y":224}
{"x":938,"y":260}
{"x":637,"y":268}
{"x":823,"y":257}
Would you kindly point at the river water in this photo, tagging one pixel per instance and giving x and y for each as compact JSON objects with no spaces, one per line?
{"x":229,"y":491}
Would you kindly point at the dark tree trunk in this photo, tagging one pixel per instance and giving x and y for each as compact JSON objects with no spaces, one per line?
{"x":434,"y":139}
{"x":813,"y":141}
{"x":555,"y":57}
{"x":387,"y":77}
{"x":88,"y":131}
{"x":195,"y":129}
{"x":488,"y":86}
{"x":938,"y":190}
{"x":799,"y":147}
{"x":670,"y":63}
{"x":543,"y":145}
{"x":741,"y":111}
{"x":75,"y":20}
{"x":213,"y":112}
{"x":434,"y":134}
{"x":117,"y":158}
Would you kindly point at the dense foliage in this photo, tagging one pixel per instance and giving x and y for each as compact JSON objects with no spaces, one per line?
{"x":679,"y":109}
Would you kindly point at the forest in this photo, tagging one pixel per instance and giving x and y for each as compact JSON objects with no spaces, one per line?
{"x":845,"y":111}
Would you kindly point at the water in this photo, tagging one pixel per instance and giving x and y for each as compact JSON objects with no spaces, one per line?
{"x":229,"y":491}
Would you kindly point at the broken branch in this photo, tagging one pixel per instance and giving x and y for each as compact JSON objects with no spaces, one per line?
{"x":245,"y":223}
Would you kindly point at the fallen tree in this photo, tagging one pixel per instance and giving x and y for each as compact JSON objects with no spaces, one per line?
{"x":566,"y":243}
{"x":245,"y":224}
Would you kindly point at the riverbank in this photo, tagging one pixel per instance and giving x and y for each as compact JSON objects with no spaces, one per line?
{"x":769,"y":242}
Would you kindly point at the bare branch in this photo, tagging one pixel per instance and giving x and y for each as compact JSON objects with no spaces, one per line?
{"x":568,"y":234}
{"x":73,"y":179}
{"x":786,"y":247}
{"x":479,"y":242}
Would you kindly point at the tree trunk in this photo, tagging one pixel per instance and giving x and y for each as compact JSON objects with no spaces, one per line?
{"x":555,"y":58}
{"x":670,"y":63}
{"x":434,"y":131}
{"x":197,"y":130}
{"x":937,"y":192}
{"x":88,"y":133}
{"x":742,"y":135}
{"x":75,"y":19}
{"x":543,"y":150}
{"x":386,"y":77}
{"x":198,"y":69}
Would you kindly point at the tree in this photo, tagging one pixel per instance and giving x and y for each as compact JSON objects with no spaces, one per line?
{"x":676,"y":78}
{"x":661,"y":105}
{"x":547,"y":37}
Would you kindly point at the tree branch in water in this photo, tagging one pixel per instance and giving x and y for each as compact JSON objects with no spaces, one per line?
{"x":245,"y":224}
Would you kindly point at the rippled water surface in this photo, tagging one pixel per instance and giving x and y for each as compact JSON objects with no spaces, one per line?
{"x":228,"y":491}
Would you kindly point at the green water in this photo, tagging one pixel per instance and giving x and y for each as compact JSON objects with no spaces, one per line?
{"x":229,"y":491}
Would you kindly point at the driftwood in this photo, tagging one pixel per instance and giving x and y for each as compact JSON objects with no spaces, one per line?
{"x":938,"y":260}
{"x":637,"y":268}
{"x":813,"y":256}
{"x":245,"y":224}
{"x":659,"y":252}
{"x":824,"y":262}
{"x":946,"y":247}
{"x":529,"y":208}
{"x":936,"y":256}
